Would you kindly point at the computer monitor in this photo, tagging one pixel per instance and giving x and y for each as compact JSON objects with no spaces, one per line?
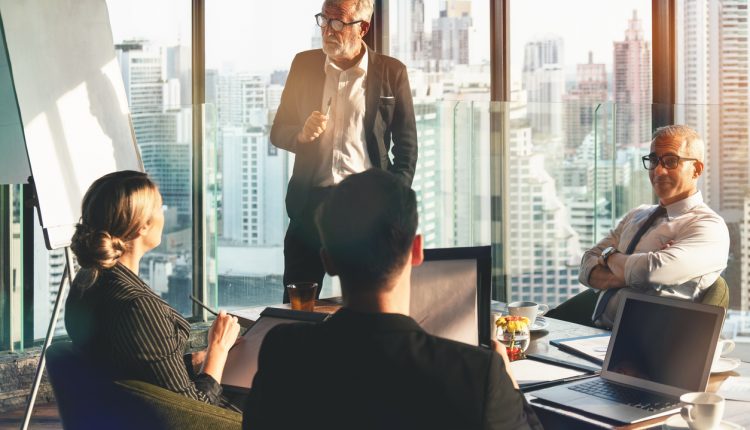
{"x":450,"y":293}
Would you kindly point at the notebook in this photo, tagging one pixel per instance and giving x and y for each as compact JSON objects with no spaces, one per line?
{"x":660,"y":348}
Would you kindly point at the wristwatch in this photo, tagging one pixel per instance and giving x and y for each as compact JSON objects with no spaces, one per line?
{"x":607,"y":252}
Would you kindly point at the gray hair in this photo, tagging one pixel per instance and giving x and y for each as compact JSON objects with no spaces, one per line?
{"x":693,"y":143}
{"x":362,"y":8}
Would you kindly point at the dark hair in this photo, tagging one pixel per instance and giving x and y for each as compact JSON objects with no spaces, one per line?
{"x":115,"y":207}
{"x":367,"y":225}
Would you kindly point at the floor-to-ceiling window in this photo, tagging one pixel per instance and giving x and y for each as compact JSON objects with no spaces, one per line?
{"x":580,"y":118}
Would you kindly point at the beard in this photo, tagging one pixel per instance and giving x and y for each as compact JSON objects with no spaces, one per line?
{"x":345,"y":49}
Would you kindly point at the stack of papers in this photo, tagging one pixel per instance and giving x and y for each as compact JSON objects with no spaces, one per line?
{"x":529,"y":372}
{"x":735,"y":388}
{"x":593,"y":348}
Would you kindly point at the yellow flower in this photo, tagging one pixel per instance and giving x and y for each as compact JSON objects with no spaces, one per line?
{"x":512,"y":323}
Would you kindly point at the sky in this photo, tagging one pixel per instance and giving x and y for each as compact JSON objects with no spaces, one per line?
{"x":264,"y":36}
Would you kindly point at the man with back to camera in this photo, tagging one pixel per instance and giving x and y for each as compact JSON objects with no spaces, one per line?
{"x":341,"y":108}
{"x":677,"y":248}
{"x":370,"y":365}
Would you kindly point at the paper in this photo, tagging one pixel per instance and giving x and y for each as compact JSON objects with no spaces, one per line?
{"x":735,"y":388}
{"x":532,"y":371}
{"x":590,"y":346}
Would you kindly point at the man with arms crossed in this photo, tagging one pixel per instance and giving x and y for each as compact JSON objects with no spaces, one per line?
{"x":341,"y":108}
{"x":370,"y":366}
{"x":677,"y":248}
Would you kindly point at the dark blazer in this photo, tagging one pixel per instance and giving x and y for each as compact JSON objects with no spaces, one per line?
{"x":379,"y":371}
{"x":131,"y":333}
{"x":389,"y":117}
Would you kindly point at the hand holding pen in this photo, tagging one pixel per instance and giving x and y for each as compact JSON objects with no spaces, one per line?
{"x":315,"y":125}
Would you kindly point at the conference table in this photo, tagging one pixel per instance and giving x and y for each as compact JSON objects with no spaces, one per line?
{"x":551,"y":416}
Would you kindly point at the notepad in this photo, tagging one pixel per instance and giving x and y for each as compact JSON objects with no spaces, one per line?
{"x":735,"y":388}
{"x":531,"y":372}
{"x":593,"y":348}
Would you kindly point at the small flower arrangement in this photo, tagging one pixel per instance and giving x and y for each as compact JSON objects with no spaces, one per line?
{"x":515,"y":335}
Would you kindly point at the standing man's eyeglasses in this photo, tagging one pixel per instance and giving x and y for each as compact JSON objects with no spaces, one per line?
{"x":335,"y":24}
{"x":667,"y":161}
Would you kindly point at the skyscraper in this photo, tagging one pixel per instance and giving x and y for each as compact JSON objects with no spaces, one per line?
{"x":632,"y":86}
{"x":580,"y":108}
{"x":450,"y":34}
{"x":713,"y":97}
{"x":544,"y":82}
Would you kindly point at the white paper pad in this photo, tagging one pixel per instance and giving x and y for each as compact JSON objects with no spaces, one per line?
{"x":592,"y":346}
{"x":531,"y":371}
{"x":735,"y":388}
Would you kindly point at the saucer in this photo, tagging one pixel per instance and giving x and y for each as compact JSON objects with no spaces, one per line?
{"x":725,"y":364}
{"x":676,"y":422}
{"x":540,"y":324}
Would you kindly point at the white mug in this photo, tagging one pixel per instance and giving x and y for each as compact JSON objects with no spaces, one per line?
{"x":702,"y":411}
{"x":723,"y":347}
{"x":529,"y":310}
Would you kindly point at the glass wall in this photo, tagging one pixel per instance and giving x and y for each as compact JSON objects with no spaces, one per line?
{"x":581,"y":116}
{"x":712,"y":90}
{"x":249,"y":48}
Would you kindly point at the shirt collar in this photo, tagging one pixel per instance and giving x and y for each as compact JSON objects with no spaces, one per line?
{"x":361,"y":66}
{"x":680,"y":207}
{"x":350,"y":318}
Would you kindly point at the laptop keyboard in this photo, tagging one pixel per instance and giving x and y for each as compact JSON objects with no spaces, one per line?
{"x":639,"y":399}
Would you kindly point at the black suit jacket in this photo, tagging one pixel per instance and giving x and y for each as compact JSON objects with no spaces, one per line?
{"x":379,"y":371}
{"x":389,"y":119}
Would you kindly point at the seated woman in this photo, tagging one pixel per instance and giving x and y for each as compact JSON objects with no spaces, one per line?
{"x":113,"y":316}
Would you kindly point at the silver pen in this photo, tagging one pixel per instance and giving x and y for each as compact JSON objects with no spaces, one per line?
{"x":328,"y":105}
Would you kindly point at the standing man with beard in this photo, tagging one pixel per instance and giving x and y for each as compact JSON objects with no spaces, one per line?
{"x":343,"y":109}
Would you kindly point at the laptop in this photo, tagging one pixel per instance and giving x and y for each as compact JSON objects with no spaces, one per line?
{"x":660,"y":348}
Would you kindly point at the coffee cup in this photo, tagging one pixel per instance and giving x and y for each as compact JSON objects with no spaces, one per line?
{"x":529,"y":310}
{"x":702,"y":411}
{"x":723,"y":347}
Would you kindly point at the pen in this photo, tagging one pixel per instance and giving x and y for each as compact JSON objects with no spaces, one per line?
{"x":203,"y":305}
{"x":328,"y":105}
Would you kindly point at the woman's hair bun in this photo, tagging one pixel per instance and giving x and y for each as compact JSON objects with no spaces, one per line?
{"x":96,"y":249}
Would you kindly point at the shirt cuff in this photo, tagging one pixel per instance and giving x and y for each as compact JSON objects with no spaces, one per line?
{"x":208,"y":385}
{"x":637,"y":271}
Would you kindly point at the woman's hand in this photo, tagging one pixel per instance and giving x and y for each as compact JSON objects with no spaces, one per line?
{"x":223,"y":332}
{"x":221,"y":336}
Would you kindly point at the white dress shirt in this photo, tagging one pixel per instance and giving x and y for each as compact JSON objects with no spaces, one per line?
{"x":343,"y":144}
{"x":684,"y":269}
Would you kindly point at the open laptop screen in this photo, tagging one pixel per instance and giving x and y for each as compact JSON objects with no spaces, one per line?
{"x":665,"y":341}
{"x":450,"y":293}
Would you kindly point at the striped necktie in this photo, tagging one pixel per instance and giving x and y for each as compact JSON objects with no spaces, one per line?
{"x":659,"y":212}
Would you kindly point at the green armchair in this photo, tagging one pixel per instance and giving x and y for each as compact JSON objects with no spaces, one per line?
{"x":717,"y":294}
{"x":87,"y":399}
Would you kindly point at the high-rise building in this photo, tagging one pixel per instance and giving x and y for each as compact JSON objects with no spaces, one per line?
{"x":632,"y":86}
{"x":450,"y":34}
{"x":409,"y":43}
{"x":254,"y":174}
{"x":544,"y":82}
{"x":713,"y":96}
{"x":581,"y":104}
{"x":162,"y":128}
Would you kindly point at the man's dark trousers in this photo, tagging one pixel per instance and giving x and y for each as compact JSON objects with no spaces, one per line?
{"x":302,"y":261}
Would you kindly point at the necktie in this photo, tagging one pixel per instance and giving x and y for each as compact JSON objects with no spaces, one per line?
{"x":659,"y":212}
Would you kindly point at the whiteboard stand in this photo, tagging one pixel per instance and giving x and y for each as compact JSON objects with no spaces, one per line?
{"x":67,"y":280}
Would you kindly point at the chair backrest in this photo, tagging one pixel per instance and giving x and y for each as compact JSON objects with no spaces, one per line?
{"x":88,"y":399}
{"x":717,"y":294}
{"x":85,"y":396}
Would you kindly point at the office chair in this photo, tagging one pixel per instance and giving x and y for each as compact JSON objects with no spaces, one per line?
{"x":717,"y":294}
{"x":88,"y":399}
